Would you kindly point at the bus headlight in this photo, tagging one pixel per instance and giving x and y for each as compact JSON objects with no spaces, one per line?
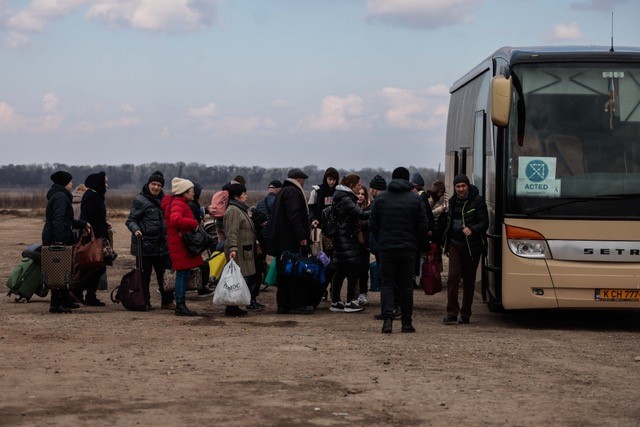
{"x":527,"y":243}
{"x":529,"y":248}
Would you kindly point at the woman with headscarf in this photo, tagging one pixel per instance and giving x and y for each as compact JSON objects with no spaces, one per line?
{"x":240,"y":244}
{"x":149,"y":232}
{"x":94,"y":211}
{"x":180,"y":220}
{"x":58,"y":228}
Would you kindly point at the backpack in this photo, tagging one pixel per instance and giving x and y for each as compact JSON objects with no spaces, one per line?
{"x":329,"y":225}
{"x":219,"y":203}
{"x":129,"y":293}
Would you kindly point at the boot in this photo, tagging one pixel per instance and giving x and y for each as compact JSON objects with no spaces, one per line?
{"x":67,"y":301}
{"x":407,"y":327}
{"x":387,"y":326}
{"x":182,"y":310}
{"x":93,"y":301}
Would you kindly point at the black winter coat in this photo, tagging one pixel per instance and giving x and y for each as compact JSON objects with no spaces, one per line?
{"x":289,"y":220}
{"x":59,"y":220}
{"x":347,"y":213}
{"x":474,"y":216}
{"x":399,"y":219}
{"x":93,"y":208}
{"x":146,"y":215}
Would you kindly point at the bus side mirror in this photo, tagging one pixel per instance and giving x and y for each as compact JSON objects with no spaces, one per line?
{"x":500,"y":100}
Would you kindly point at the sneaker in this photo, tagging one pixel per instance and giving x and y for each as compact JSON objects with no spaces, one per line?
{"x":325,"y":296}
{"x":450,"y":319}
{"x":353,"y":307}
{"x":337,"y":306}
{"x":205,"y":292}
{"x":255,"y":306}
{"x":363,"y":300}
{"x":464,"y":320}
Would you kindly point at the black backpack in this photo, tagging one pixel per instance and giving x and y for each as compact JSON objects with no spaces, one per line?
{"x":329,"y":225}
{"x":129,"y":293}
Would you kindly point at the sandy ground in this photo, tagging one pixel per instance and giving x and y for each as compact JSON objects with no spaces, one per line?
{"x":108,"y":366}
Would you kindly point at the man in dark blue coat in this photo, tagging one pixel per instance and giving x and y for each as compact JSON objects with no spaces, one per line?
{"x":399,"y":224}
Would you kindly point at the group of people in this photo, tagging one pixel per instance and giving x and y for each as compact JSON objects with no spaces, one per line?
{"x":397,"y":222}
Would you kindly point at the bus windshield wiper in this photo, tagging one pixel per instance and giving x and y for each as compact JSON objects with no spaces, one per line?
{"x":621,"y":196}
{"x":548,"y":206}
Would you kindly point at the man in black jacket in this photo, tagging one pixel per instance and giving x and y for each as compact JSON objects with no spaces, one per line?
{"x":399,"y":224}
{"x":290,"y":232}
{"x":464,"y":244}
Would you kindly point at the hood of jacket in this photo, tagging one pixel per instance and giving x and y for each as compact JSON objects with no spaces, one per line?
{"x":95,"y":181}
{"x":145,"y":192}
{"x":399,"y":186}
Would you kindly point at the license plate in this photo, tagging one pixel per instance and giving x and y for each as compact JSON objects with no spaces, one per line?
{"x":631,"y":295}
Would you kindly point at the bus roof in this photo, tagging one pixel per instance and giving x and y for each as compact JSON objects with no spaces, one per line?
{"x":538,"y":54}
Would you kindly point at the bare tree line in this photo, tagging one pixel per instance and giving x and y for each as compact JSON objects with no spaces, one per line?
{"x":132,"y":177}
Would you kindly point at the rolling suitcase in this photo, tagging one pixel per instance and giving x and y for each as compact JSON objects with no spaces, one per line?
{"x":57,"y":263}
{"x":24,"y":279}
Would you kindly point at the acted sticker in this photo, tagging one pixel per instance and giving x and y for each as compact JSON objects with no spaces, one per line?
{"x":537,"y":177}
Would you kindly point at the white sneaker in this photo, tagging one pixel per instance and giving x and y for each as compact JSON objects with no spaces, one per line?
{"x":363,"y":300}
{"x":353,"y":307}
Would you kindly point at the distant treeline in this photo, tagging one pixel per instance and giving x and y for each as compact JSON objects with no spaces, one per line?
{"x":132,"y":177}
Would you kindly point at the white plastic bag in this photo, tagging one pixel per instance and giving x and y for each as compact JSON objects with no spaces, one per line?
{"x":232,"y":288}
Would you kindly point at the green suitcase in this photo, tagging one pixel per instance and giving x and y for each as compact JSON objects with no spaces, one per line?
{"x":24,"y":279}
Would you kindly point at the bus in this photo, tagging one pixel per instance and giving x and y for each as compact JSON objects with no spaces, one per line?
{"x":551,"y":138}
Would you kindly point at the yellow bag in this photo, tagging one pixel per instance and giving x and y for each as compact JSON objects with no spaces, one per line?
{"x":216,"y":262}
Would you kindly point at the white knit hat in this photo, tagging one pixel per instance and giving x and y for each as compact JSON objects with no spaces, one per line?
{"x":180,"y":185}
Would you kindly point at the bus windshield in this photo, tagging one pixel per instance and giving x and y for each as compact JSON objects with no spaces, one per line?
{"x":573,"y":148}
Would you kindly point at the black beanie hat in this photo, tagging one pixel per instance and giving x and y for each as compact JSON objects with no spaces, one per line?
{"x":156,"y":177}
{"x":235,"y":190}
{"x":378,"y":183}
{"x":61,"y":178}
{"x":461,"y":178}
{"x":400,"y":173}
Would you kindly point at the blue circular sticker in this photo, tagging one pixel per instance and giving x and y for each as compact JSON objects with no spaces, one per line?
{"x":537,"y":171}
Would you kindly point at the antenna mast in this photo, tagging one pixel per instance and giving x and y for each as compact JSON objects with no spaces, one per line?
{"x":611,"y":50}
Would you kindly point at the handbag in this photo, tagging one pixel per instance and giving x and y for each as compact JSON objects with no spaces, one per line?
{"x":431,"y":281}
{"x":257,"y":249}
{"x":271,"y":279}
{"x":88,"y":251}
{"x":197,"y":241}
{"x":232,"y":288}
{"x":316,"y":241}
{"x":109,"y":254}
{"x":216,"y":261}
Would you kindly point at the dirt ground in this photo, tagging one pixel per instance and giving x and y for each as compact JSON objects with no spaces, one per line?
{"x":109,"y":366}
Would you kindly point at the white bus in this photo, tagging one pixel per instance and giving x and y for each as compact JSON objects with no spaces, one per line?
{"x":551,"y":138}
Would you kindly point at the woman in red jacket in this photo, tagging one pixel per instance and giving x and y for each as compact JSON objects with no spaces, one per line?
{"x":179,"y":220}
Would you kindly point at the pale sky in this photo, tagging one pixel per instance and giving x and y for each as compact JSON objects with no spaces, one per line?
{"x":273,"y":83}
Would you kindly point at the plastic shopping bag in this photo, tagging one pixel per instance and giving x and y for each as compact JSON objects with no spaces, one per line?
{"x":232,"y":288}
{"x":272,"y":274}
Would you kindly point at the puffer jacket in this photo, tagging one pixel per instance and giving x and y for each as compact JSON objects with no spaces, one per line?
{"x":347,"y":213}
{"x":474,"y":216}
{"x":146,"y":215}
{"x":179,"y":220}
{"x":399,"y":219}
{"x":59,"y":217}
{"x":241,"y":237}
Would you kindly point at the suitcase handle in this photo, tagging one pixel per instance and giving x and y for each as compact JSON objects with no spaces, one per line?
{"x":57,"y":247}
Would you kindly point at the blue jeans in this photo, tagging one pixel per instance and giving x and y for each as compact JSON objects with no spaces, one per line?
{"x":396,"y":271}
{"x":182,"y":279}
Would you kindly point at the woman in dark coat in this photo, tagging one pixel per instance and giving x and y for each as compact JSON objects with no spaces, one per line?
{"x":347,"y":251}
{"x":179,"y":220}
{"x":147,"y":226}
{"x":94,"y":211}
{"x":58,"y":226}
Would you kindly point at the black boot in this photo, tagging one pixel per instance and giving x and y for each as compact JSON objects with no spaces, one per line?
{"x":93,"y":301}
{"x":57,"y":303}
{"x":387,"y":326}
{"x":67,"y":301}
{"x":182,"y":310}
{"x":407,"y":327}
